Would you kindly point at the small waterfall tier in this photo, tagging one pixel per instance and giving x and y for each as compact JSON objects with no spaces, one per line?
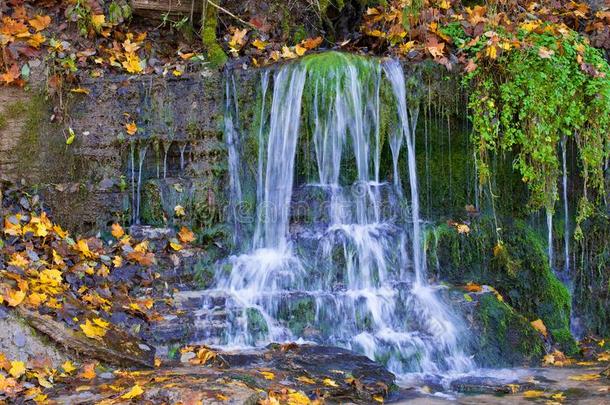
{"x":333,"y":253}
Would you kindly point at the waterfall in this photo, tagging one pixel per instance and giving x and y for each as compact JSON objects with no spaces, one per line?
{"x":566,"y":211}
{"x":232,"y":140}
{"x":549,"y":227}
{"x":352,"y":273}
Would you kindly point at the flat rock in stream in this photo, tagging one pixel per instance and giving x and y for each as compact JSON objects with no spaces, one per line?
{"x":489,"y":385}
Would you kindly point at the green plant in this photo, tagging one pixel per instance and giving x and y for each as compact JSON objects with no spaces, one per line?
{"x":553,"y":85}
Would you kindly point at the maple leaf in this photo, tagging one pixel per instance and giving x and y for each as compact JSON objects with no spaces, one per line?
{"x":88,"y":371}
{"x":36,"y":40}
{"x":330,"y":383}
{"x":17,"y":369}
{"x":305,"y":380}
{"x":11,"y":75}
{"x":185,"y":235}
{"x":130,"y":47}
{"x":539,"y":326}
{"x":238,"y":39}
{"x":287,"y":53}
{"x":117,"y":231}
{"x":179,"y":211}
{"x":68,"y":367}
{"x":268,"y":375}
{"x":94,"y":330}
{"x":435,"y":48}
{"x":14,"y":297}
{"x":175,"y":245}
{"x":40,"y":22}
{"x":312,"y":43}
{"x":260,"y":45}
{"x":300,"y":50}
{"x":132,"y":64}
{"x":131,"y":128}
{"x":135,"y":392}
{"x":98,"y":20}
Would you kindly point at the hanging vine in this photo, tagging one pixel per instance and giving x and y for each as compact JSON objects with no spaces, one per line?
{"x":546,"y":83}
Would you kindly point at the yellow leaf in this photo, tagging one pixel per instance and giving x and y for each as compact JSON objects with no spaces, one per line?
{"x":287,"y":53}
{"x":558,"y":397}
{"x":19,"y":260}
{"x":80,"y":90}
{"x":101,"y":323}
{"x":298,"y":398}
{"x":117,"y":261}
{"x":530,"y":25}
{"x":463,"y":229}
{"x":305,"y":379}
{"x":539,"y":326}
{"x":268,"y":375}
{"x":604,"y":356}
{"x":179,"y":211}
{"x":97,"y":20}
{"x":14,"y":298}
{"x":378,"y":398}
{"x":17,"y":369}
{"x":157,"y":362}
{"x":131,"y":129}
{"x":36,"y":40}
{"x":135,"y":392}
{"x":117,"y":231}
{"x":491,"y":52}
{"x":40,"y":22}
{"x":330,"y":383}
{"x":533,"y":394}
{"x":132,"y":63}
{"x":92,"y":330}
{"x":222,"y":397}
{"x":83,"y":247}
{"x":300,"y":50}
{"x":261,"y":45}
{"x":68,"y":367}
{"x":185,"y":235}
{"x":445,"y":5}
{"x":584,"y":377}
{"x":35,"y":299}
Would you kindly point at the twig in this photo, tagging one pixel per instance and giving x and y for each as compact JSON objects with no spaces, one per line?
{"x":224,"y":10}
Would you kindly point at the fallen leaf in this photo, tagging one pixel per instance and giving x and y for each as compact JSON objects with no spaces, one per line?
{"x":329,"y":382}
{"x":268,"y":375}
{"x":68,"y":367}
{"x":117,"y":231}
{"x":131,"y":128}
{"x":540,"y":327}
{"x":40,"y":22}
{"x":17,"y":369}
{"x":135,"y":392}
{"x":185,"y":235}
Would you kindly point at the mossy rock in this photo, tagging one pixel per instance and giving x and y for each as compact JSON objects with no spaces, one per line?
{"x":506,"y":338}
{"x":519,"y":271}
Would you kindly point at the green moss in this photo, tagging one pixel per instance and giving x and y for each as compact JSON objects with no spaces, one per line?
{"x":257,"y":326}
{"x":151,"y":211}
{"x":216,"y":55}
{"x":519,"y":271}
{"x":506,"y":338}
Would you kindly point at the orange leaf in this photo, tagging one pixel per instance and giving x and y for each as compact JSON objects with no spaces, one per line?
{"x":40,"y":22}
{"x":185,"y":235}
{"x":117,"y":230}
{"x":131,"y":128}
{"x":312,"y":43}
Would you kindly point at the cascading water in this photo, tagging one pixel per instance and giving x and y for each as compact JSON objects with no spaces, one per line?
{"x":353,"y":273}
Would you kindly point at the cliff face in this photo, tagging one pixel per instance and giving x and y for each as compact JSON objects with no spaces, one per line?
{"x":87,"y":182}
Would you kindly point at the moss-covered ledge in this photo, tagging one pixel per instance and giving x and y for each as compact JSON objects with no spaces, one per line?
{"x":519,"y":271}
